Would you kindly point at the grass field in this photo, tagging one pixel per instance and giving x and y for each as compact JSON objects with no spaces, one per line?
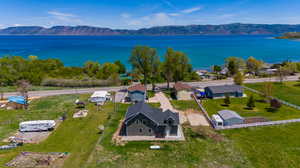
{"x":262,"y":109}
{"x":184,"y":104}
{"x":288,"y":91}
{"x":77,"y":136}
{"x":269,"y":147}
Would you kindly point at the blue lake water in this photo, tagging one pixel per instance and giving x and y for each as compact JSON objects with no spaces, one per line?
{"x":203,"y":51}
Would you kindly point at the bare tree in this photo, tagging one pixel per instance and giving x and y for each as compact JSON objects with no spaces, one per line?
{"x":282,"y":73}
{"x":23,"y":87}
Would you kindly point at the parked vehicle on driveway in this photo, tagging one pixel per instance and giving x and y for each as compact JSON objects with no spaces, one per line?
{"x":35,"y":126}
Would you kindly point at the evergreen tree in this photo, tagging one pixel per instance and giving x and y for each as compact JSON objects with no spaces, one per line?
{"x":251,"y":102}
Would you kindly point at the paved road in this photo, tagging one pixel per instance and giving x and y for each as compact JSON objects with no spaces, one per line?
{"x":91,"y":90}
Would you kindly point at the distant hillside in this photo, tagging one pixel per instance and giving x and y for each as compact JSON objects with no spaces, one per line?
{"x":290,"y":35}
{"x":226,"y":29}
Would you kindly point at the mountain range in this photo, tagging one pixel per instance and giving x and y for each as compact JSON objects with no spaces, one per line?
{"x":224,"y":29}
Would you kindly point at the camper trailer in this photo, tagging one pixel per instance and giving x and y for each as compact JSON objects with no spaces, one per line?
{"x":100,"y":97}
{"x":35,"y":126}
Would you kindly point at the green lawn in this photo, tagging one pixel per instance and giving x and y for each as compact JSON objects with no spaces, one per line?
{"x":196,"y":151}
{"x":262,"y":109}
{"x":77,"y":136}
{"x":269,"y":147}
{"x":288,"y":91}
{"x":184,"y":104}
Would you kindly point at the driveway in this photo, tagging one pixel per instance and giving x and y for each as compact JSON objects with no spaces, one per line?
{"x":120,"y":96}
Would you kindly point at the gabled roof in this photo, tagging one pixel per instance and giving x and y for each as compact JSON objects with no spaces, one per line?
{"x":228,"y":114}
{"x":138,"y":87}
{"x":181,"y":86}
{"x":226,"y":89}
{"x":101,"y":93}
{"x":154,"y":114}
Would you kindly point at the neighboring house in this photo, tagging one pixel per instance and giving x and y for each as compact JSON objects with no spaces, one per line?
{"x":143,"y":120}
{"x":137,"y":93}
{"x":230,"y":118}
{"x":222,"y":91}
{"x":99,"y":97}
{"x":183,"y":91}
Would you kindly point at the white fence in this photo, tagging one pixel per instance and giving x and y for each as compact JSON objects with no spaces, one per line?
{"x":269,"y":123}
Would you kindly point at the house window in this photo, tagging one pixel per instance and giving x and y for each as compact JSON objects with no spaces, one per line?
{"x":144,"y":122}
{"x":137,"y":121}
{"x":165,"y":121}
{"x":150,"y":130}
{"x":141,"y":130}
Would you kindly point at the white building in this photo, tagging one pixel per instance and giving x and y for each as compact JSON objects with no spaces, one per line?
{"x":100,"y":97}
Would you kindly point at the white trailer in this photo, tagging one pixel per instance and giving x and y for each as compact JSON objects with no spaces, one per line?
{"x":35,"y":126}
{"x":100,"y":97}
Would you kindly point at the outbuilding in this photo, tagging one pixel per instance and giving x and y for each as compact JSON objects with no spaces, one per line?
{"x":230,"y":118}
{"x":223,"y":90}
{"x":183,"y":91}
{"x":137,"y":93}
{"x":100,"y":97}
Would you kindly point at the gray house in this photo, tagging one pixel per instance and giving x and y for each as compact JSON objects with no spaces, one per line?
{"x":144,"y":120}
{"x":137,"y":93}
{"x":230,"y":117}
{"x":222,"y":91}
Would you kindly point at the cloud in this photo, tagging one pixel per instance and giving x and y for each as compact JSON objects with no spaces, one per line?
{"x":16,"y":25}
{"x":125,"y":15}
{"x":156,"y":19}
{"x":169,"y":3}
{"x":67,"y":17}
{"x":191,"y":10}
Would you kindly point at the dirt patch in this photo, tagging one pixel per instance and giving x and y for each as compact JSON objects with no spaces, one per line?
{"x":196,"y":118}
{"x":80,"y":114}
{"x":249,"y":120}
{"x":30,"y":137}
{"x":38,"y":160}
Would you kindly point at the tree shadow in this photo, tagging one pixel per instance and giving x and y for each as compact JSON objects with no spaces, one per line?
{"x":248,"y":108}
{"x":272,"y":110}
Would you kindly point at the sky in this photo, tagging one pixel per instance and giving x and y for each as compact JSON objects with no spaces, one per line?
{"x":135,"y":14}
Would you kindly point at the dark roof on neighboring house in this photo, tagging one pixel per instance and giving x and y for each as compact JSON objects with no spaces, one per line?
{"x":228,"y":114}
{"x":138,"y":87}
{"x":181,"y":86}
{"x":154,"y":114}
{"x":225,"y":88}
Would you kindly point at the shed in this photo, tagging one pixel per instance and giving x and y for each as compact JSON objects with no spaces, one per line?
{"x":137,"y":93}
{"x":183,"y":91}
{"x":231,"y":117}
{"x":223,"y":90}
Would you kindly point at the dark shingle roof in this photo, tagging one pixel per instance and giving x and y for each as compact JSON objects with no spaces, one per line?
{"x":181,"y":86}
{"x":154,"y":114}
{"x":138,"y":87}
{"x":226,"y":89}
{"x":228,"y":114}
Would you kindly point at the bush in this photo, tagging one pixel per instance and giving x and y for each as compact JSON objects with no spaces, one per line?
{"x":227,"y":100}
{"x":275,"y":104}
